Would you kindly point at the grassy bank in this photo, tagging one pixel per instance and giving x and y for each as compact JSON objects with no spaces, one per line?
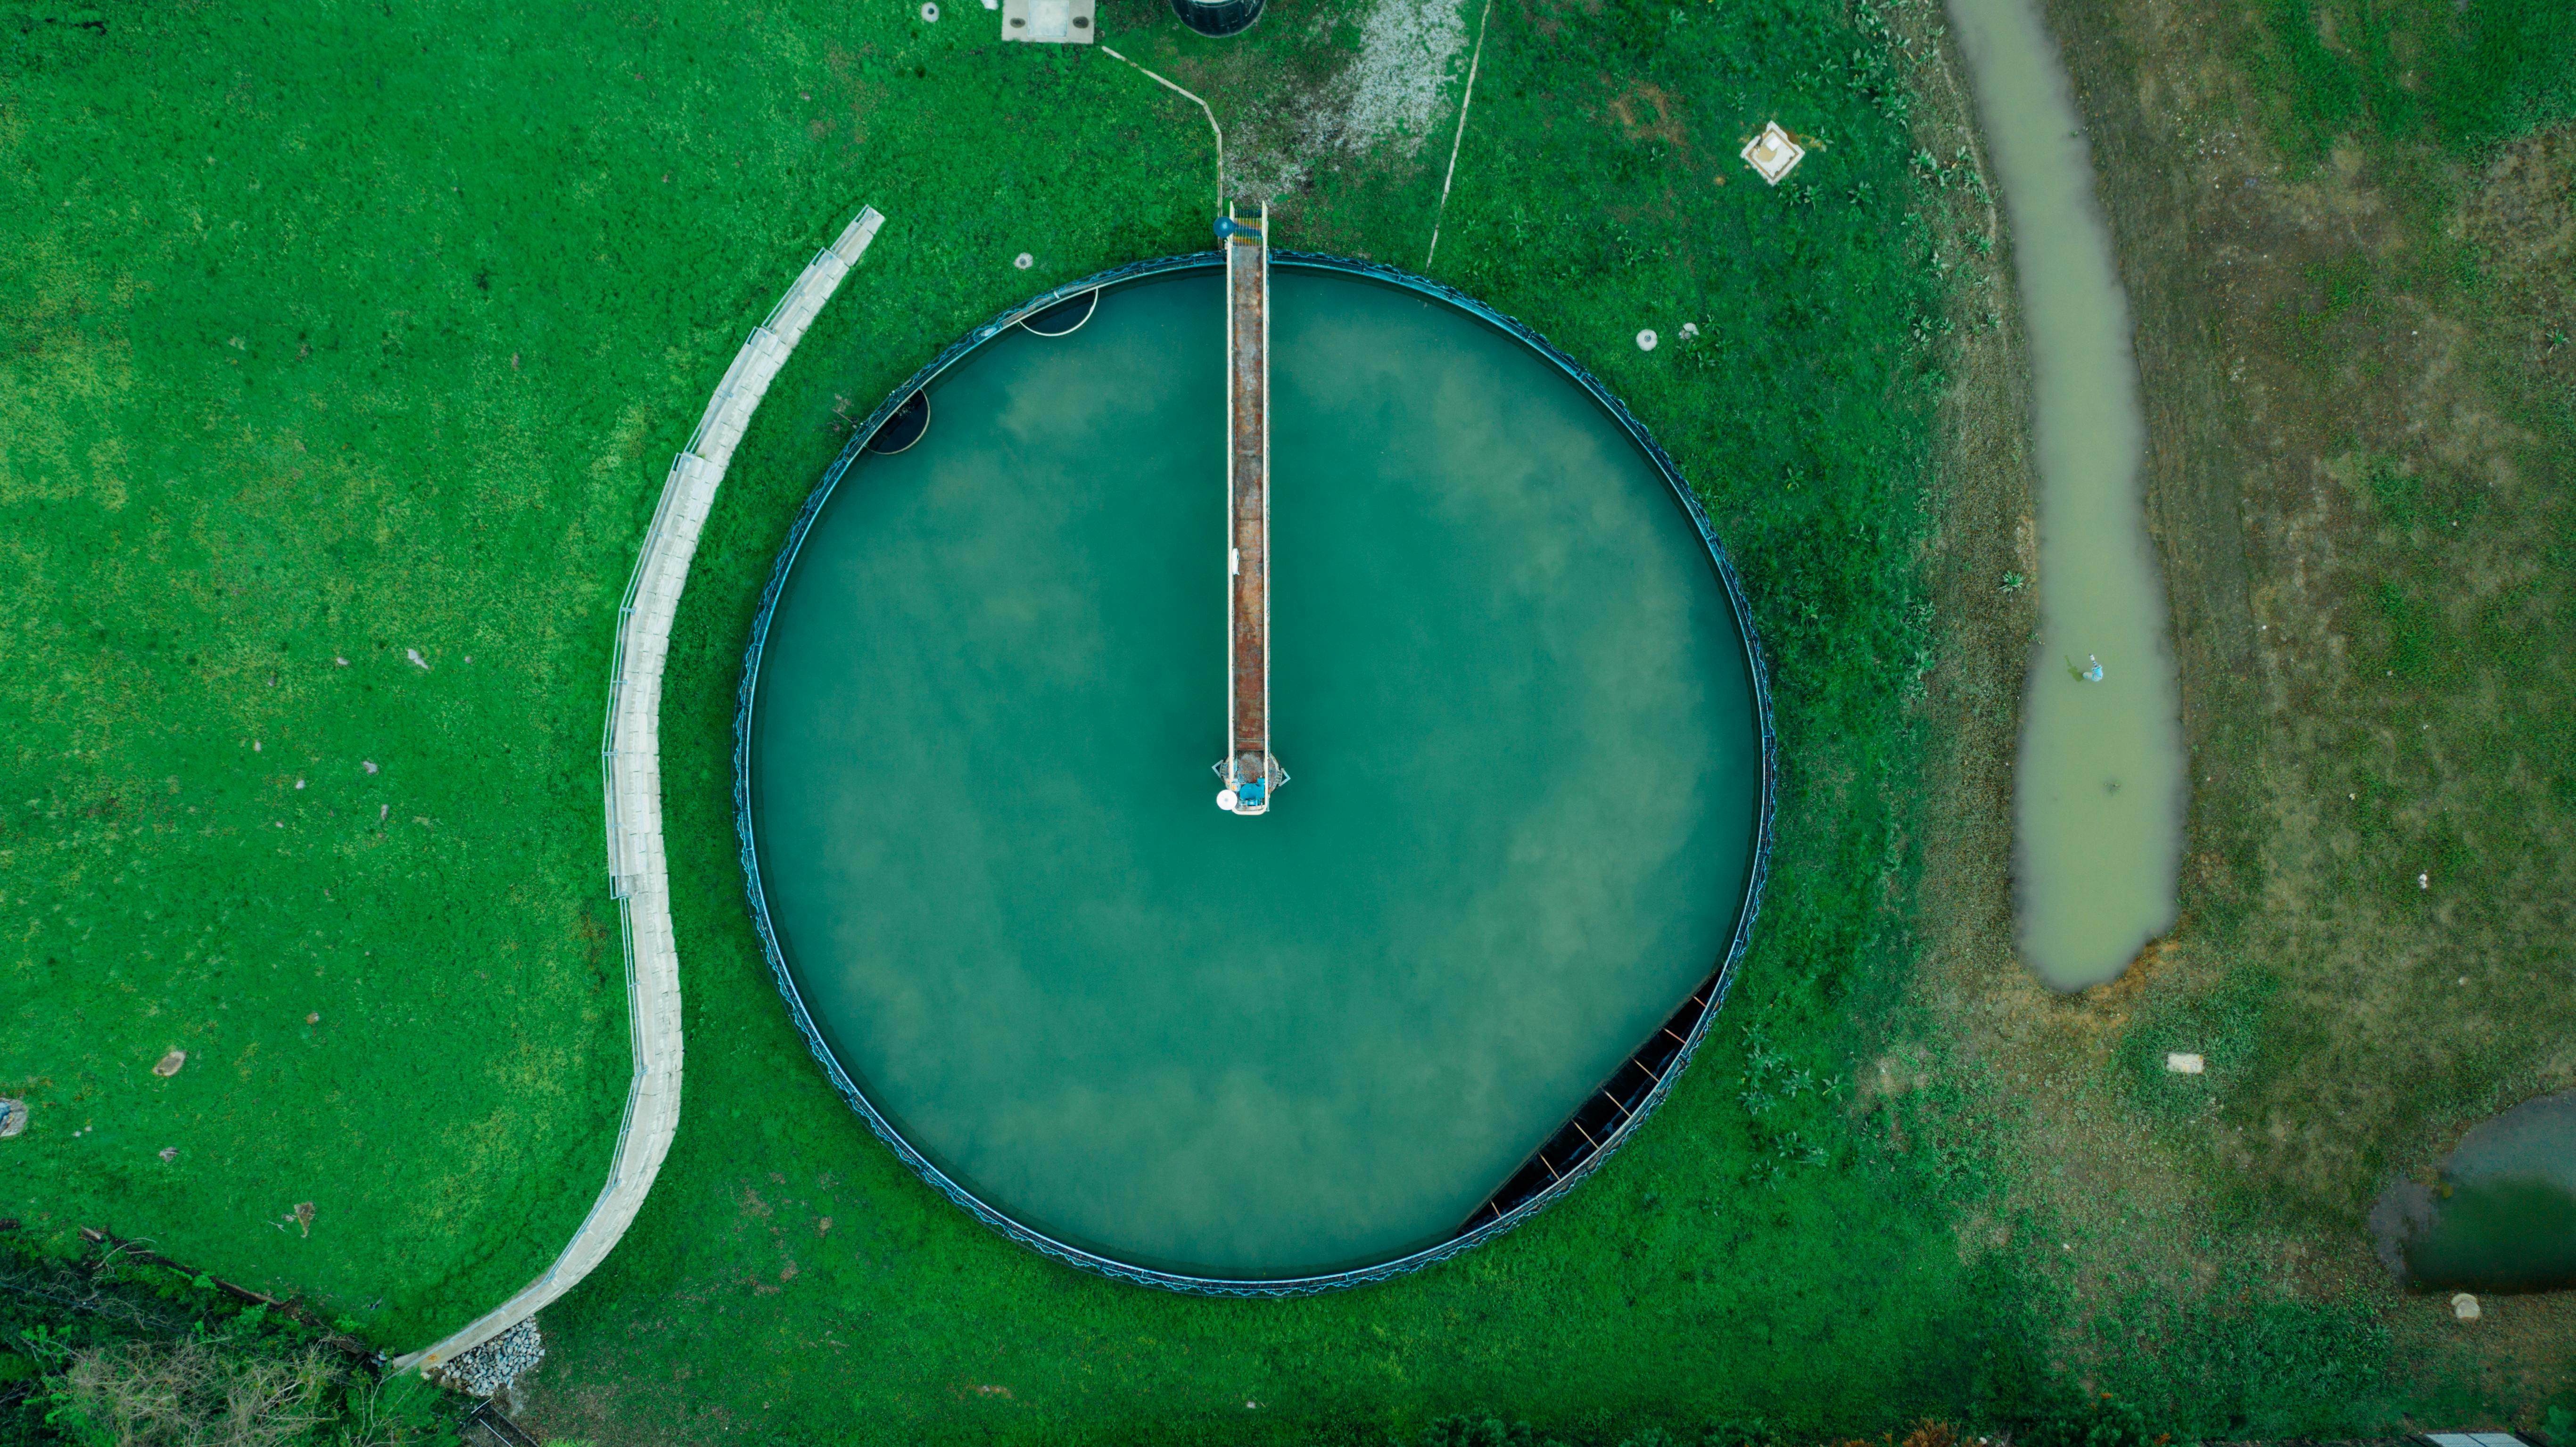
{"x":2345,"y":233}
{"x":316,"y":505}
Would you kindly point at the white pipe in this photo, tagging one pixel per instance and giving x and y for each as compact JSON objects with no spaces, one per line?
{"x":1203,"y":107}
{"x":1474,"y":58}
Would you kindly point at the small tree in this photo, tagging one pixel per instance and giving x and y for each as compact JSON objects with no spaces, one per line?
{"x":111,"y":1352}
{"x":199,"y":1390}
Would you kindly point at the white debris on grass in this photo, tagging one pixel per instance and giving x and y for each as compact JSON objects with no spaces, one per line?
{"x":2183,"y":1062}
{"x":1646,"y":340}
{"x":1393,"y":95}
{"x":497,"y":1363}
{"x":13,"y":1117}
{"x":1398,"y":83}
{"x":2464,"y":1307}
{"x":414,"y":655}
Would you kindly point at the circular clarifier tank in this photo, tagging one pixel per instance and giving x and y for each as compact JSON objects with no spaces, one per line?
{"x":1465,"y":950}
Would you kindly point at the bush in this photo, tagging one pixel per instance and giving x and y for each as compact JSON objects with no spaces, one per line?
{"x":113,"y":1353}
{"x":2106,"y":1421}
{"x":1464,"y":1431}
{"x":208,"y":1389}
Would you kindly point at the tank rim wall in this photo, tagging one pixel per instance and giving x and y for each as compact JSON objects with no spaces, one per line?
{"x":1714,"y":988}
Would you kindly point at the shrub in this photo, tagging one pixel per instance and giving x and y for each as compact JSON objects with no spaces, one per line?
{"x":208,"y":1389}
{"x":112,"y":1353}
{"x":2106,"y":1421}
{"x":1465,"y":1431}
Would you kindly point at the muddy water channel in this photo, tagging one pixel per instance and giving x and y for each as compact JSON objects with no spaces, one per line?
{"x":2501,"y":1214}
{"x":2098,"y":802}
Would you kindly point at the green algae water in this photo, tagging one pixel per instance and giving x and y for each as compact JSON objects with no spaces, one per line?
{"x":1507,"y":681}
{"x":2099,"y":783}
{"x":2502,"y":1216}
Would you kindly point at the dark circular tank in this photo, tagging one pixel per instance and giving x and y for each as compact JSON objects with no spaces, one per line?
{"x":1470,"y":950}
{"x":1218,"y":17}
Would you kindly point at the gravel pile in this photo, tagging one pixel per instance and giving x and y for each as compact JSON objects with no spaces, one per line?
{"x":1394,"y":92}
{"x":498,"y":1362}
{"x":1399,"y":83}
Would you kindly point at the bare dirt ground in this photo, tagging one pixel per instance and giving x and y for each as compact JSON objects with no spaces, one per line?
{"x":2359,"y":391}
{"x":1351,"y":93}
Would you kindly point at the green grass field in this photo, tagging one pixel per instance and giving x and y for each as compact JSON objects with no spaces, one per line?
{"x":360,"y":331}
{"x":789,"y":1281}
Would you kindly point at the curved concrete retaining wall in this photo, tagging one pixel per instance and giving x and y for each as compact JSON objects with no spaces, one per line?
{"x":631,"y":766}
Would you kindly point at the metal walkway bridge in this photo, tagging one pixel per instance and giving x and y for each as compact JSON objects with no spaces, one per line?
{"x":1250,"y":771}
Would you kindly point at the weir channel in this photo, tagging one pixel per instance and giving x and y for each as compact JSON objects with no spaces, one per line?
{"x":2099,"y":792}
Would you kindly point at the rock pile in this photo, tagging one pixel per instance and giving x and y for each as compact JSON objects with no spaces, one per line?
{"x":497,"y":1363}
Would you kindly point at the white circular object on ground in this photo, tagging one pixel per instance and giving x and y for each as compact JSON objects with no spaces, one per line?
{"x":2464,"y":1307}
{"x":930,"y":12}
{"x":1646,"y":340}
{"x":1226,"y":799}
{"x":1024,"y":261}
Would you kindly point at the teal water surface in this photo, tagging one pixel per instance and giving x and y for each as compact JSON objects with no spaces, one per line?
{"x":1507,"y":683}
{"x":2502,"y":1213}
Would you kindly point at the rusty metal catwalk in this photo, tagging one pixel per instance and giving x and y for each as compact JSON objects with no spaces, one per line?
{"x":1249,"y":770}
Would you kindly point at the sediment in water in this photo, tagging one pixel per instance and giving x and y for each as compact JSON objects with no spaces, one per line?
{"x":2099,"y":792}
